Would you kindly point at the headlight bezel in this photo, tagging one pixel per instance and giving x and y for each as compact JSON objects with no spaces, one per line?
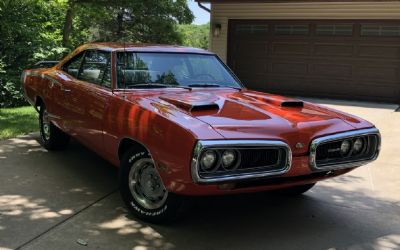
{"x":237,"y":174}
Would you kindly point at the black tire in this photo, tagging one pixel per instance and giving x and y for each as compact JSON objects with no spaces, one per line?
{"x":166,"y":210}
{"x":296,"y":190}
{"x":51,"y":137}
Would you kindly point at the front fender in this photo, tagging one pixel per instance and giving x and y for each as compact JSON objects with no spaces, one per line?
{"x":168,"y":134}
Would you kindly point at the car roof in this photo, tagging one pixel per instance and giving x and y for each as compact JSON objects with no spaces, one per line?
{"x":144,"y":47}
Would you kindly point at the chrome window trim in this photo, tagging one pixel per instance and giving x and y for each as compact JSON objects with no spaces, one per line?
{"x":204,"y":144}
{"x":349,"y":164}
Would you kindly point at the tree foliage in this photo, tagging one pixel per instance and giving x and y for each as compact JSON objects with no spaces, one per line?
{"x":195,"y":35}
{"x":33,"y":30}
{"x":30,"y":31}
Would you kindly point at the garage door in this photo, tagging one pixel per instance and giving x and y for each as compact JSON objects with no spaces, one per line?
{"x":357,"y":60}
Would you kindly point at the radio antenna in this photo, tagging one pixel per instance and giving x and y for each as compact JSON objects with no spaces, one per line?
{"x":125,"y":62}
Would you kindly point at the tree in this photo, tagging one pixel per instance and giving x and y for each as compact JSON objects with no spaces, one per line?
{"x":138,"y":21}
{"x":33,"y":30}
{"x":195,"y":35}
{"x":30,"y":31}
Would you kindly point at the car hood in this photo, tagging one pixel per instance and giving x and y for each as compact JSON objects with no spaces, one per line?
{"x":253,"y":115}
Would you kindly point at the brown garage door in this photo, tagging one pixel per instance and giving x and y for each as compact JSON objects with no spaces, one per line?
{"x":346,"y":59}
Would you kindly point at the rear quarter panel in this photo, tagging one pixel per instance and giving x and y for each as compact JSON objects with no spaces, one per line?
{"x":36,"y":85}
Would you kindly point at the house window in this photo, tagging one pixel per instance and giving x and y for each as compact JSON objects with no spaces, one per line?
{"x":380,"y":30}
{"x":291,"y":29}
{"x":252,"y":29}
{"x":334,"y":29}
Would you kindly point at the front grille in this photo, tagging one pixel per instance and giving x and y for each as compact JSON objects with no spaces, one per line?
{"x":252,"y":160}
{"x":328,"y":151}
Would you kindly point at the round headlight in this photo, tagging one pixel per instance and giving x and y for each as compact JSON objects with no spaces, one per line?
{"x":345,"y":147}
{"x":228,"y":158}
{"x":208,"y":160}
{"x":358,"y":145}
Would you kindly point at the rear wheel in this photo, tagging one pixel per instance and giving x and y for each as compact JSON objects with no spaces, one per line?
{"x":143,"y":191}
{"x":51,"y":137}
{"x":296,"y":190}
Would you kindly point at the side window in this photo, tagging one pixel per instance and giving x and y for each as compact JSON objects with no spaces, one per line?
{"x":73,"y":65}
{"x":96,"y":68}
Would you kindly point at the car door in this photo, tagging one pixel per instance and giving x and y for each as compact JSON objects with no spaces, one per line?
{"x":65,"y":107}
{"x":94,"y":90}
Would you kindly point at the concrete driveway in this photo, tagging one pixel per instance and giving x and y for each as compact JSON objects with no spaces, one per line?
{"x":55,"y":200}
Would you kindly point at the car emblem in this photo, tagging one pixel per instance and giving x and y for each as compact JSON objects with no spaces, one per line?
{"x":333,"y":150}
{"x":299,"y":145}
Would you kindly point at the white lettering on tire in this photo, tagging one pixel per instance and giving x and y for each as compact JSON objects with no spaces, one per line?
{"x":149,"y":213}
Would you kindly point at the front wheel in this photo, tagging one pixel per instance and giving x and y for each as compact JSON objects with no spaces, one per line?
{"x":143,"y":191}
{"x":51,"y":137}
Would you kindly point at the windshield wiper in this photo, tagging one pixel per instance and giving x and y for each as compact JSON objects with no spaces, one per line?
{"x":157,"y":85}
{"x":205,"y":85}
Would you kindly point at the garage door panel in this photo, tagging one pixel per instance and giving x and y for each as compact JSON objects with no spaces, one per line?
{"x":252,"y":65}
{"x":381,"y":84}
{"x":334,"y":71}
{"x":379,"y":51}
{"x":291,"y":68}
{"x":290,"y":48}
{"x":324,"y":49}
{"x":380,"y":74}
{"x":333,"y":58}
{"x":254,"y":82}
{"x":254,"y":49}
{"x":378,"y":91}
{"x":275,"y":83}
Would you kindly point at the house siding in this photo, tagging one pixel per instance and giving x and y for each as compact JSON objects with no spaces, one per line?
{"x":221,"y":13}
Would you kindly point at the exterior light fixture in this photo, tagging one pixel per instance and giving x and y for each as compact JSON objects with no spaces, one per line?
{"x":217,"y":29}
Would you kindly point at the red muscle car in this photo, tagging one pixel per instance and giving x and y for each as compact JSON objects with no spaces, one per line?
{"x":178,"y":122}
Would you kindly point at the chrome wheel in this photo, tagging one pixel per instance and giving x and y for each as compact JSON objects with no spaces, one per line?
{"x":145,"y":184}
{"x":45,"y":125}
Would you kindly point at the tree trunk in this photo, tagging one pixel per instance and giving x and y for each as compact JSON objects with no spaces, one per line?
{"x":69,"y":16}
{"x":120,"y":24}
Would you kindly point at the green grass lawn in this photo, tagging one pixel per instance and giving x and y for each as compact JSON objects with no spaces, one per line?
{"x":17,"y":121}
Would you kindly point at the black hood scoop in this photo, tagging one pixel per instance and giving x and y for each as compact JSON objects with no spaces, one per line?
{"x":292,"y":104}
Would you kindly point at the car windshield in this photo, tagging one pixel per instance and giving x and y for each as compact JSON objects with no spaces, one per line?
{"x":152,"y":70}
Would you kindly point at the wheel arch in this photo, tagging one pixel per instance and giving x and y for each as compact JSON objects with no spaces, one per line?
{"x":38,"y":102}
{"x":127,"y":143}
